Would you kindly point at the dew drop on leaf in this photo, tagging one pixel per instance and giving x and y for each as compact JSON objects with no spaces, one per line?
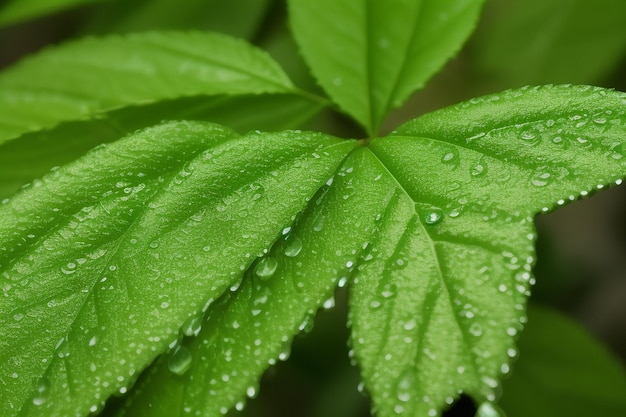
{"x":404,"y":386}
{"x":180,"y":360}
{"x":293,"y":245}
{"x":479,"y":169}
{"x":42,"y":390}
{"x":476,"y":329}
{"x":192,"y":326}
{"x":451,"y":157}
{"x":433,"y":217}
{"x":540,"y":178}
{"x":265,"y":268}
{"x":489,"y":409}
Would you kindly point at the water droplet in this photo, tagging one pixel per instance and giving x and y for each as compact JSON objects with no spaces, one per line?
{"x":541,"y":178}
{"x":68,"y":269}
{"x":433,"y":217}
{"x":451,"y":157}
{"x":192,"y":326}
{"x":489,"y":409}
{"x":180,"y":360}
{"x":330,"y":303}
{"x":476,"y":329}
{"x":293,"y":245}
{"x":405,"y":385}
{"x":62,"y":348}
{"x":479,"y":169}
{"x":42,"y":390}
{"x":529,"y":137}
{"x":265,"y":268}
{"x":285,"y":351}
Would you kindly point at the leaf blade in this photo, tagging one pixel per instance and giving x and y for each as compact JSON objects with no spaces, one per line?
{"x":398,"y":58}
{"x":157,"y":245}
{"x":94,"y":75}
{"x":465,"y":241}
{"x":33,"y":154}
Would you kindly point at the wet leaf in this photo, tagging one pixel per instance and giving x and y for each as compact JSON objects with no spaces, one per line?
{"x":437,"y":304}
{"x":80,"y":79}
{"x":103,"y":260}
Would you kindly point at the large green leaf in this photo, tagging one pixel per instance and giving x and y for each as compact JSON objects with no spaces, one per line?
{"x":31,"y":155}
{"x":253,"y":328}
{"x":103,"y":260}
{"x":370,"y":56}
{"x":565,"y":371}
{"x":80,"y":79}
{"x":556,"y":41}
{"x":141,"y":236}
{"x":16,"y":11}
{"x":439,"y":300}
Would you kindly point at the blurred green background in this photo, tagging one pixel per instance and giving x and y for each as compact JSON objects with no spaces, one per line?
{"x":581,"y":268}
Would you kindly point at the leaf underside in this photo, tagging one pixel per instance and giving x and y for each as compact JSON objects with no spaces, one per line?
{"x":102,"y":265}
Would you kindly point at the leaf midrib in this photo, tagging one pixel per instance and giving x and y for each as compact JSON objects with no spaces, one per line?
{"x":436,"y":256}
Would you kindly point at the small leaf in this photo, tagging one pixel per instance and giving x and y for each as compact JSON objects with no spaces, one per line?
{"x":565,"y":371}
{"x":16,"y":11}
{"x":33,"y":154}
{"x":103,"y":260}
{"x":370,"y":56}
{"x":80,"y":79}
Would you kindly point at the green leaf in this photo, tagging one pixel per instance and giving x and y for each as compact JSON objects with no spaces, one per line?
{"x":33,"y":154}
{"x":253,"y":328}
{"x":370,"y":56}
{"x":436,"y":307}
{"x":557,"y":41}
{"x":564,"y":370}
{"x":81,"y":79}
{"x":16,"y":11}
{"x":422,"y":225}
{"x":104,"y":259}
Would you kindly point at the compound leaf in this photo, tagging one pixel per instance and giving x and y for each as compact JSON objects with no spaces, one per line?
{"x":564,"y":370}
{"x":370,"y":56}
{"x":82,"y":78}
{"x":422,"y":225}
{"x":436,"y":307}
{"x":104,"y":259}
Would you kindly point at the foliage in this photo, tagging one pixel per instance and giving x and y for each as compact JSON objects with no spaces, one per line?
{"x":188,"y":235}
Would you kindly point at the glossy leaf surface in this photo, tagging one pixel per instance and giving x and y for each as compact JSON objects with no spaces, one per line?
{"x":80,"y":79}
{"x":370,"y":56}
{"x":437,"y":305}
{"x":104,"y":259}
{"x":565,"y":371}
{"x":422,"y":226}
